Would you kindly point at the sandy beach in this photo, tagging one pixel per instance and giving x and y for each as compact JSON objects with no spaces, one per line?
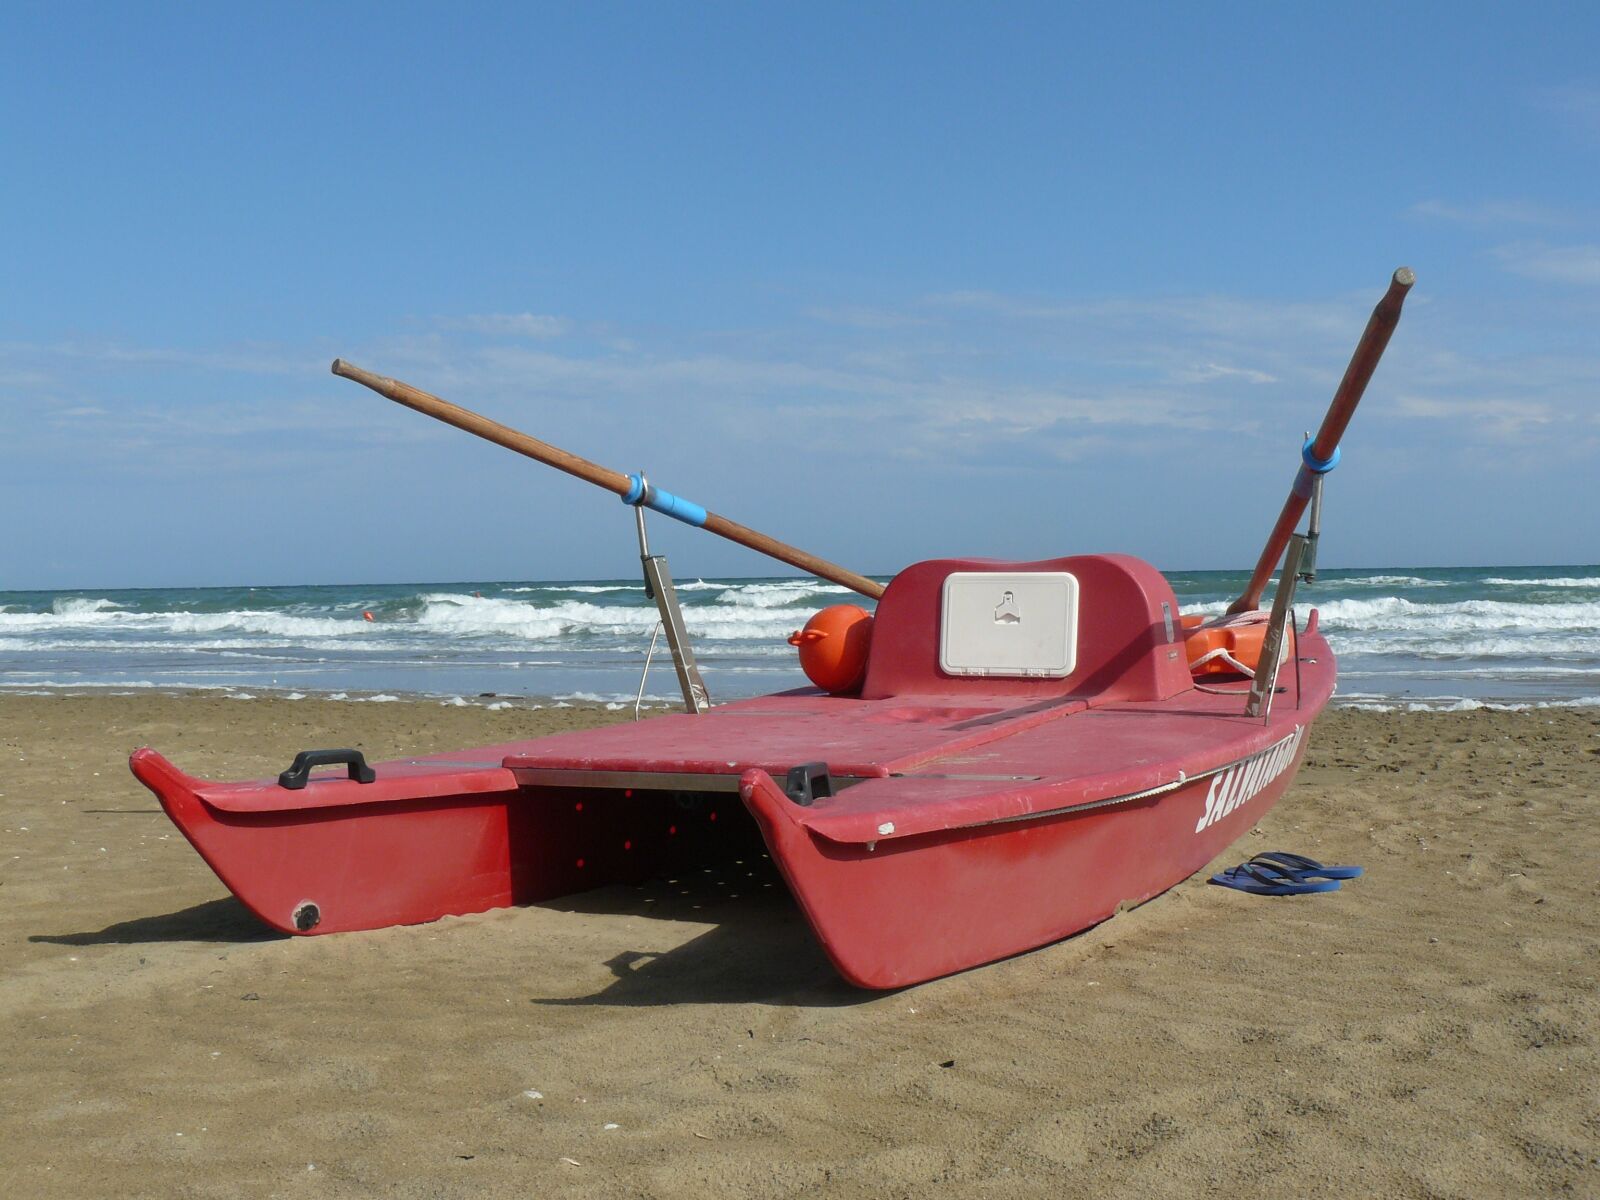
{"x":1428,"y":1031}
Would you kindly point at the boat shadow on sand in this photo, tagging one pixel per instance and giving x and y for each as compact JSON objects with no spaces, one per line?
{"x":759,"y":949}
{"x":224,"y":920}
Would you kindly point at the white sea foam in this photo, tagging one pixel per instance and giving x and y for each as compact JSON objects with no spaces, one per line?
{"x":1459,"y":704}
{"x":246,"y":621}
{"x":1592,"y":582}
{"x":473,"y":616}
{"x":142,"y":684}
{"x":1391,"y":629}
{"x":614,"y":698}
{"x":778,"y":595}
{"x":1541,"y":669}
{"x":1406,"y":581}
{"x":1398,"y":612}
{"x":75,"y":605}
{"x":583,"y":589}
{"x":1425,"y":645}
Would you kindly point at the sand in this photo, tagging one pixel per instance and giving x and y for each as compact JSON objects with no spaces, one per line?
{"x":1428,"y":1031}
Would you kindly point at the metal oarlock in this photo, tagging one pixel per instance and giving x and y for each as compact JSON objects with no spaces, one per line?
{"x":658,"y":586}
{"x":1265,"y":682}
{"x":1308,"y":561}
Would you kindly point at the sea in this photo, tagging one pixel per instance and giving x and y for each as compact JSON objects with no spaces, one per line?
{"x":1407,"y":638}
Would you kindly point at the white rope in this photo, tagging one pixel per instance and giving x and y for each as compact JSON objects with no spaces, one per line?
{"x":1221,"y":652}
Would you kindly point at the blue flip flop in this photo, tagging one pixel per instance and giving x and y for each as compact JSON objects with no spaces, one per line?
{"x":1264,"y":879}
{"x":1306,"y":868}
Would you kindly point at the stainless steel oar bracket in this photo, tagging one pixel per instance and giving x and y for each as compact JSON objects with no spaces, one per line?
{"x":1308,"y":561}
{"x":1265,"y":682}
{"x":658,"y":586}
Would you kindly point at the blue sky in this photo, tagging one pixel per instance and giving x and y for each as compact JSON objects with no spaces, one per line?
{"x":888,"y":281}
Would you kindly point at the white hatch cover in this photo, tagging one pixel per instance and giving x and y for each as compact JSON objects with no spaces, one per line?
{"x":1022,"y":624}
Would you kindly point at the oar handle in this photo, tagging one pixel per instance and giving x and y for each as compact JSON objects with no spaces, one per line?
{"x":628,"y":487}
{"x":494,"y":431}
{"x":1374,"y":340}
{"x":1319,"y":453}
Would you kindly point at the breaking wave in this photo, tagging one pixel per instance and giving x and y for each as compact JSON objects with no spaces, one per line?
{"x":1392,"y":581}
{"x":1398,"y":613}
{"x":1593,"y":582}
{"x":1479,"y":634}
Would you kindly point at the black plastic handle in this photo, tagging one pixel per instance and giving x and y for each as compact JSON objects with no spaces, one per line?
{"x":807,"y":782}
{"x":298,"y":775}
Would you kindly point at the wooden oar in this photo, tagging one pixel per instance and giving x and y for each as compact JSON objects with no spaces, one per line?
{"x":631,"y":488}
{"x":1320,"y":454}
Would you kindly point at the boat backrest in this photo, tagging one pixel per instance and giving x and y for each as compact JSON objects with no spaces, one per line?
{"x":1093,"y":626}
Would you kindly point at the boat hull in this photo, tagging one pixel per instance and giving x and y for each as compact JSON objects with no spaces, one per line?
{"x":904,"y":911}
{"x":953,"y":822}
{"x":339,"y":867}
{"x":888,"y":912}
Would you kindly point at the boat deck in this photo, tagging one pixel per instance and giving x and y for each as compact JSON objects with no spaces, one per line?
{"x":904,"y":766}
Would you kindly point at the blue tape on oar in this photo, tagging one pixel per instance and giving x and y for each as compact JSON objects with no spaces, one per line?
{"x":1319,"y":466}
{"x":662,"y":502}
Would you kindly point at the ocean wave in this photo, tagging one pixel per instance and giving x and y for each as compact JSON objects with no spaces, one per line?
{"x":477,"y":616}
{"x":1410,"y":581}
{"x":256,"y":621}
{"x":65,"y":606}
{"x":779,"y":595}
{"x":1513,"y":641}
{"x":1437,"y":704}
{"x":1592,"y":582}
{"x":1540,"y":668}
{"x":616,"y":698}
{"x":583,"y":589}
{"x":1524,"y":648}
{"x":242,"y":647}
{"x":1400,"y":613}
{"x":141,"y":684}
{"x":244,"y":621}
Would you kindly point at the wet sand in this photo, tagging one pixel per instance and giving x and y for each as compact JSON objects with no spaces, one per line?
{"x":1428,"y":1031}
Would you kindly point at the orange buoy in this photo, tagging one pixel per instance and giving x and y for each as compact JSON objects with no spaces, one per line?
{"x":1224,"y":645}
{"x":833,"y":647}
{"x":367,"y":616}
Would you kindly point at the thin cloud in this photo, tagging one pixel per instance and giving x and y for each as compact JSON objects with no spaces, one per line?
{"x":967,"y":379}
{"x":1488,"y":213}
{"x":249,"y":359}
{"x":1206,"y":372}
{"x":861,"y":317}
{"x":1552,"y":264}
{"x":537,"y":326}
{"x":1577,"y":104}
{"x":1215,"y":314}
{"x":1497,"y":417}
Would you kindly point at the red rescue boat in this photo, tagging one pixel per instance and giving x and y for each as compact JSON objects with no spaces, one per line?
{"x":1023,"y":750}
